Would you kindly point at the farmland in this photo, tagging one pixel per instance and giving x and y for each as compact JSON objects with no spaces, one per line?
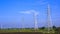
{"x":24,"y":30}
{"x":30,"y":30}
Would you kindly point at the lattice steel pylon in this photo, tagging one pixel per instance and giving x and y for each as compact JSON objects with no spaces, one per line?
{"x":49,"y":21}
{"x":23,"y":25}
{"x":35,"y":22}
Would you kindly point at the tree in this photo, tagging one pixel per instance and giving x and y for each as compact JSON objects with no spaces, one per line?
{"x":54,"y":27}
{"x":43,"y":28}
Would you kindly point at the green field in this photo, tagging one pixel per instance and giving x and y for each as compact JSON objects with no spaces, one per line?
{"x":24,"y":30}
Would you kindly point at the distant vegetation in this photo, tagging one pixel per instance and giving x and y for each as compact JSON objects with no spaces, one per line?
{"x":42,"y":29}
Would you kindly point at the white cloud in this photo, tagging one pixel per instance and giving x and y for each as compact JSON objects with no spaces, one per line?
{"x":25,"y":12}
{"x":30,"y":12}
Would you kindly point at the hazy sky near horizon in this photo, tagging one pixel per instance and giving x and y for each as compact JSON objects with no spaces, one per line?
{"x":10,"y":15}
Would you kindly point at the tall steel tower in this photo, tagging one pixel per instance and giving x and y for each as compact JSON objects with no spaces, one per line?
{"x":35,"y":22}
{"x":23,"y":25}
{"x":49,"y":23}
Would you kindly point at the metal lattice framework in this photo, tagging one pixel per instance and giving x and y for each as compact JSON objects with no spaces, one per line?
{"x":49,"y":22}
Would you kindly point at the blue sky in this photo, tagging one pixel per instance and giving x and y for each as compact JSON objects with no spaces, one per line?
{"x":10,"y":15}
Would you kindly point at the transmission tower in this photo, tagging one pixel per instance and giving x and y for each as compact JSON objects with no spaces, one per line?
{"x":23,"y":23}
{"x":49,"y":23}
{"x":35,"y":22}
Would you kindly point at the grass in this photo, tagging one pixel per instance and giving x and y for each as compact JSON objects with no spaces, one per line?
{"x":23,"y":30}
